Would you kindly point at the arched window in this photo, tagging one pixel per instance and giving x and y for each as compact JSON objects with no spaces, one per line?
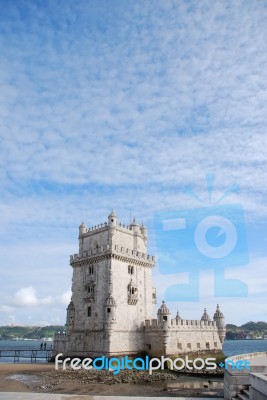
{"x":130,"y":270}
{"x":89,"y":312}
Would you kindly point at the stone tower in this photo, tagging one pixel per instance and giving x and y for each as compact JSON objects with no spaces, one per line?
{"x":111,"y":312}
{"x":112,"y":293}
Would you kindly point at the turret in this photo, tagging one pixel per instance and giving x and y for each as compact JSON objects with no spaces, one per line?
{"x":144,"y":232}
{"x":110,"y":306}
{"x":135,"y":226}
{"x":164,"y":315}
{"x":112,"y":220}
{"x":82,"y":229}
{"x":205,"y":316}
{"x":178,"y":318}
{"x":70,"y":316}
{"x":220,"y":322}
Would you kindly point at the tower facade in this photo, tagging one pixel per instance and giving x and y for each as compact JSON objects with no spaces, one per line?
{"x":112,"y":291}
{"x":111,"y":311}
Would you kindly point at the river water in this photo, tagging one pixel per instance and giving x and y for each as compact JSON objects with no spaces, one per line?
{"x":230,"y":348}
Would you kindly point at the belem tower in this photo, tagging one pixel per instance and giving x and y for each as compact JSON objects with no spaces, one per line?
{"x":112,"y":306}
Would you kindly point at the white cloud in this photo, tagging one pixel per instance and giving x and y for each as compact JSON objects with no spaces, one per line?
{"x":65,"y":297}
{"x":145,"y":101}
{"x":26,"y":297}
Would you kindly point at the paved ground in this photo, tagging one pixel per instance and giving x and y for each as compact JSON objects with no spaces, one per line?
{"x":48,"y":396}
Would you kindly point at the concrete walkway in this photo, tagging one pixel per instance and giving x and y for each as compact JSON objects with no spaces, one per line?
{"x":48,"y":396}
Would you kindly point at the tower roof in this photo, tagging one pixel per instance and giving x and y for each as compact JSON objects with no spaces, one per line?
{"x":178,"y":315}
{"x":112,"y":214}
{"x":163,"y":309}
{"x":134,"y":223}
{"x":205,"y":316}
{"x":218,"y":313}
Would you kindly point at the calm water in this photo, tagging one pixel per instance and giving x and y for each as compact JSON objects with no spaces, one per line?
{"x":22,"y":345}
{"x":234,"y":347}
{"x":230,"y":347}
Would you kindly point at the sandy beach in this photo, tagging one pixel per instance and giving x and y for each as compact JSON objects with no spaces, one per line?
{"x":42,"y":378}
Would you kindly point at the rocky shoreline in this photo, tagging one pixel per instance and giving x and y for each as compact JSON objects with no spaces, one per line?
{"x":159,"y":383}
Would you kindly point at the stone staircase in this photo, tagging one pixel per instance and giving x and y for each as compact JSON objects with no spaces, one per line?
{"x":244,"y":395}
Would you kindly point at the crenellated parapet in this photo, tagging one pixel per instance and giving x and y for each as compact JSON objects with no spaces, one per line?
{"x":114,"y":250}
{"x":182,"y":324}
{"x":132,"y":228}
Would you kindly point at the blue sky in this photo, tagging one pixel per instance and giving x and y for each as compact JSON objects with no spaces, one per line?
{"x":115,"y":104}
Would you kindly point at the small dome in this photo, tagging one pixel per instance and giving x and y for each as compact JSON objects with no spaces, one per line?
{"x":112,"y":214}
{"x":82,"y":225}
{"x":218,"y":313}
{"x":178,"y":315}
{"x":163,"y":309}
{"x":71,"y":306}
{"x":110,"y":302}
{"x":205,"y":316}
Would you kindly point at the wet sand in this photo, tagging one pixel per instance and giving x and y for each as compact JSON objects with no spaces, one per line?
{"x":43,"y":378}
{"x":7,"y":371}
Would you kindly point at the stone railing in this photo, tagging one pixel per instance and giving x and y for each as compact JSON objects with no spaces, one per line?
{"x":236,"y":380}
{"x":258,"y":386}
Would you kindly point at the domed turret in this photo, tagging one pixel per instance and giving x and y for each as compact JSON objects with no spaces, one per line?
{"x":205,"y":316}
{"x":112,"y":219}
{"x":178,"y":318}
{"x":220,"y":322}
{"x":164,"y":314}
{"x":71,"y":306}
{"x":135,"y":226}
{"x":144,"y":231}
{"x":82,"y":229}
{"x":70,"y":316}
{"x":218,"y":314}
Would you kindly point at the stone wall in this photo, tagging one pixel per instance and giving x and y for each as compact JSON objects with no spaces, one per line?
{"x":180,"y":337}
{"x":236,"y":380}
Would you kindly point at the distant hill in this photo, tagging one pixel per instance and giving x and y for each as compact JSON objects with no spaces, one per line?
{"x":249,"y":330}
{"x":29,"y":332}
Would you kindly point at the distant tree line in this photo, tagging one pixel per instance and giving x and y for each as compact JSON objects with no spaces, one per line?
{"x":29,"y":332}
{"x":250,"y":330}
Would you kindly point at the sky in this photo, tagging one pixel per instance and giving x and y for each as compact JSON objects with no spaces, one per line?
{"x":128,"y":105}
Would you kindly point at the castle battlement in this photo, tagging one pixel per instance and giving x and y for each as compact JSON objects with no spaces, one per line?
{"x":112,"y":249}
{"x":180,"y":324}
{"x":133,"y":229}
